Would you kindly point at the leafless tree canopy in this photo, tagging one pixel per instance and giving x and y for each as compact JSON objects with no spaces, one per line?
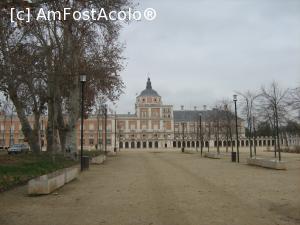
{"x":41,"y":61}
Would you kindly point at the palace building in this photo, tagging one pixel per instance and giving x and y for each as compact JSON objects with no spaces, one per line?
{"x":152,"y":125}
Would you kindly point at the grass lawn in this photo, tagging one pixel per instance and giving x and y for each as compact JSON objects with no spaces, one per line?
{"x":18,"y":169}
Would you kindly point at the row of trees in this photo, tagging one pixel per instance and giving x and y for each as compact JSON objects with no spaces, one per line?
{"x":272,"y":111}
{"x":41,"y":62}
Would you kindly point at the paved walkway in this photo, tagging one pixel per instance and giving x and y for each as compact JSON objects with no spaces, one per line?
{"x":153,"y":188}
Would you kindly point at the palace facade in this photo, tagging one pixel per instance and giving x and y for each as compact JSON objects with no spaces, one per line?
{"x":152,"y":125}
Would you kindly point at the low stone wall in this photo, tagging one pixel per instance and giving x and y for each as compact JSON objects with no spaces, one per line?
{"x":49,"y":182}
{"x":98,"y":159}
{"x":267,"y":163}
{"x":212,"y":155}
{"x":71,"y":173}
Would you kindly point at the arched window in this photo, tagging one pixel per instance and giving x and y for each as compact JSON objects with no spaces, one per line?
{"x":132,"y":145}
{"x":174,"y":144}
{"x":206,"y":144}
{"x":179,"y":144}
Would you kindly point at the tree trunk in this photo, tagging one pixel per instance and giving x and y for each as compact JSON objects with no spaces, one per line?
{"x":52,"y":132}
{"x":30,"y":134}
{"x":61,"y":128}
{"x":71,"y":131}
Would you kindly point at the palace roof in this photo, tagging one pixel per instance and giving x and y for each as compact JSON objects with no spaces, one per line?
{"x":149,"y":91}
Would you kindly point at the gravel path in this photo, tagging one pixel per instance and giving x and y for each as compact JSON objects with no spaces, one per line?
{"x":153,"y":188}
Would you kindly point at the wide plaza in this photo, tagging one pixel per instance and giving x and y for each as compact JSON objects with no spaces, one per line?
{"x":166,"y":187}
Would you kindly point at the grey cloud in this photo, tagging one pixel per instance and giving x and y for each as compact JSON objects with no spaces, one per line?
{"x":198,"y":52}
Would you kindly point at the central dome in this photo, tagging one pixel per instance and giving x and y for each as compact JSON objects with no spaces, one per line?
{"x":149,"y":91}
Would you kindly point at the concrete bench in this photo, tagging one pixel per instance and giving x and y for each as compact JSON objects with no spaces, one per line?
{"x":212,"y":155}
{"x":111,"y":153}
{"x":50,"y":182}
{"x":71,"y":173}
{"x":267,"y":163}
{"x":98,"y":159}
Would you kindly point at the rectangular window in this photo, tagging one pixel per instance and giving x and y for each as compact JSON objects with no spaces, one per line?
{"x":91,"y":141}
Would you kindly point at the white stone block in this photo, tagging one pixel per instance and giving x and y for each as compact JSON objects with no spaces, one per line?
{"x":50,"y":182}
{"x":71,"y":173}
{"x":267,"y":163}
{"x":98,"y":159}
{"x":212,"y":155}
{"x":110,"y":153}
{"x":47,"y":183}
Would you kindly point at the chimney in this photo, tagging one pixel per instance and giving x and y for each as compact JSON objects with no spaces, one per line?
{"x":204,"y":107}
{"x":182,"y":107}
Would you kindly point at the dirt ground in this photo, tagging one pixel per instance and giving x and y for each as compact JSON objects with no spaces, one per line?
{"x":155,"y":188}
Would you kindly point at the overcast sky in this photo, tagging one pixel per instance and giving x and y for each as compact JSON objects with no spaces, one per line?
{"x":201,"y":51}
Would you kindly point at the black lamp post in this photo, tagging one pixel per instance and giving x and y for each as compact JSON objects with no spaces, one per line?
{"x":115,"y":148}
{"x":201,"y":136}
{"x":42,"y":134}
{"x":254,"y":133}
{"x":11,"y":135}
{"x":82,"y":81}
{"x":105,"y":129}
{"x":236,"y":129}
{"x":183,"y":145}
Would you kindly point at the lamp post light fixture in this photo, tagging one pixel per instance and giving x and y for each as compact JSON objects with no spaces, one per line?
{"x":82,"y":81}
{"x":236,"y":129}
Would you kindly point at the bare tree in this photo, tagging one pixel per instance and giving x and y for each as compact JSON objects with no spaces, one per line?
{"x":228,"y":121}
{"x":296,"y":98}
{"x":98,"y":107}
{"x":248,"y":107}
{"x":56,"y":54}
{"x":273,"y":101}
{"x":21,"y":79}
{"x":208,"y":130}
{"x":216,"y":121}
